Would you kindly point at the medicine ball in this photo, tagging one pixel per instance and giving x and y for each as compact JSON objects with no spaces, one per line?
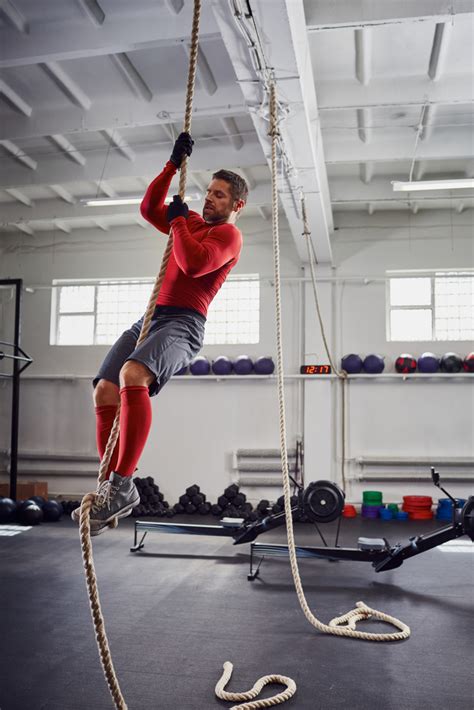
{"x":200,"y":366}
{"x":264,"y":365}
{"x":182,"y":371}
{"x":468,"y":363}
{"x":405,"y":363}
{"x":451,"y":362}
{"x":243,"y":365}
{"x":39,"y":500}
{"x":7,"y":511}
{"x":222,"y":365}
{"x":352,"y":364}
{"x":52,"y":511}
{"x":30,"y":514}
{"x":373,"y":364}
{"x":428,"y":363}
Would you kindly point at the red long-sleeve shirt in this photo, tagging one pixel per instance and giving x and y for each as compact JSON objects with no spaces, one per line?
{"x":202,"y":254}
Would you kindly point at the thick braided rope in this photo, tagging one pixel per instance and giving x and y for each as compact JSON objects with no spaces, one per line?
{"x":341,"y":374}
{"x":363,"y":611}
{"x":88,"y":500}
{"x":256,"y":690}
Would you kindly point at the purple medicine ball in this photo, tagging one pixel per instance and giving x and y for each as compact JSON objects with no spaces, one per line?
{"x":428,"y":363}
{"x":374,"y":364}
{"x":243,"y":365}
{"x":264,"y":365}
{"x":222,"y":365}
{"x":200,"y":366}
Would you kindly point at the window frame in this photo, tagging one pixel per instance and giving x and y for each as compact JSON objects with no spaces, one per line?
{"x":56,"y":315}
{"x":432,"y":274}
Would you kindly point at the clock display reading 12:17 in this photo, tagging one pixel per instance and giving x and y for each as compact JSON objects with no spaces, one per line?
{"x":315,"y":369}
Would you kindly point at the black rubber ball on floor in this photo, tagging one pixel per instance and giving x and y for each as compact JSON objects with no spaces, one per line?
{"x":52,"y":511}
{"x":39,"y":500}
{"x":7,"y":511}
{"x":30,"y":514}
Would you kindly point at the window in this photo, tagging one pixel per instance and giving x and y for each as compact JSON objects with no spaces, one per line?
{"x":438,"y":306}
{"x":234,"y":314}
{"x":97,"y":312}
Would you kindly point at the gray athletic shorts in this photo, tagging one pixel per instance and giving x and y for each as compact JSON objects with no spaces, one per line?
{"x":174,"y":339}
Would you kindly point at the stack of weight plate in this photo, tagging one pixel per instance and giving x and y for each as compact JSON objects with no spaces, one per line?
{"x":371,"y":504}
{"x":418,"y":507}
{"x":444,"y":510}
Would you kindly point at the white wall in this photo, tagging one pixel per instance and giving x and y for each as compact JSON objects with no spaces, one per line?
{"x":196,"y":425}
{"x":419,"y":418}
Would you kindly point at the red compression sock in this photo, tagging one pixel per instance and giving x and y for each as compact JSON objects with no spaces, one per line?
{"x":135,"y":424}
{"x":104,"y":419}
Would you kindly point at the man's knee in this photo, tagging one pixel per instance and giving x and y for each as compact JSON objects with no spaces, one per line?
{"x":135,"y":374}
{"x":106,"y":393}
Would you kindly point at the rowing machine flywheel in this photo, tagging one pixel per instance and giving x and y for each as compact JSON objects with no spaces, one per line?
{"x":467,"y":517}
{"x":323,"y":501}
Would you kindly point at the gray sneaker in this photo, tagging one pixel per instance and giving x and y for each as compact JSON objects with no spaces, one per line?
{"x":115,"y":499}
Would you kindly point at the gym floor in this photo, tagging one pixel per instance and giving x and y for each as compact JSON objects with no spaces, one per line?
{"x":179,"y":609}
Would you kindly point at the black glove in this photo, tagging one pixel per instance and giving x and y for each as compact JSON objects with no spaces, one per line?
{"x":183,"y":146}
{"x":177,"y":208}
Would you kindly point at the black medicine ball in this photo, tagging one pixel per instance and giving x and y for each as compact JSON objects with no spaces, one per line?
{"x":451,"y":362}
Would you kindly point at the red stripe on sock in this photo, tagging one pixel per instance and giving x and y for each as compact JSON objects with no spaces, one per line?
{"x":104,"y":419}
{"x":135,"y":424}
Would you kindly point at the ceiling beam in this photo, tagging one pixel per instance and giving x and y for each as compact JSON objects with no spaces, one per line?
{"x":232,"y":131}
{"x":93,"y":11}
{"x":20,"y":196}
{"x":67,"y":148}
{"x":67,"y":85}
{"x":14,"y":212}
{"x":205,"y":77}
{"x":366,"y":172}
{"x":439,"y":48}
{"x":14,"y":99}
{"x":18,"y":154}
{"x":300,"y":130}
{"x":399,"y":147}
{"x":13,"y":17}
{"x":64,"y":194}
{"x":174,"y":6}
{"x":411,"y":91}
{"x":323,"y":16}
{"x":132,"y":76}
{"x":135,"y":31}
{"x":364,"y":120}
{"x":120,"y":143}
{"x":54,"y":169}
{"x":106,"y":188}
{"x":62,"y":226}
{"x":25,"y":228}
{"x":130,"y":112}
{"x":363,"y":55}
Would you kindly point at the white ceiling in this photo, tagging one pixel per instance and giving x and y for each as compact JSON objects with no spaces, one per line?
{"x":92,"y":93}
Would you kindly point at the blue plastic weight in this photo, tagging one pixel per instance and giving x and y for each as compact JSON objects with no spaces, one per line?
{"x":200,"y":366}
{"x":222,"y":365}
{"x":401,"y":515}
{"x":264,"y":365}
{"x":243,"y":365}
{"x":352,"y":364}
{"x":373,"y":364}
{"x":386,"y":514}
{"x":428,"y":363}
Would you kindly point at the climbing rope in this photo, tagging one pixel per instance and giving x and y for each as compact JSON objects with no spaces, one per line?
{"x":253,"y":692}
{"x":341,"y":374}
{"x":89,"y":498}
{"x":343,"y":625}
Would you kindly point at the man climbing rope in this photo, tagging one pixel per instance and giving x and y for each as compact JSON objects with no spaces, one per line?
{"x":205,"y":249}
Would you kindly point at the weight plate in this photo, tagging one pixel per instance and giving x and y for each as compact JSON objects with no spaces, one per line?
{"x":467,"y":517}
{"x":323,"y":501}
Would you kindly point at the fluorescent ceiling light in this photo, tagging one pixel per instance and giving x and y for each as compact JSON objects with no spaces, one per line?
{"x":432,"y":185}
{"x":112,"y":201}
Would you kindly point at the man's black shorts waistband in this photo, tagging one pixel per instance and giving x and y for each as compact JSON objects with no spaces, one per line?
{"x":177,"y":310}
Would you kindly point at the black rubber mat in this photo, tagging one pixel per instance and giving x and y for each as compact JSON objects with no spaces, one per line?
{"x":176,"y":611}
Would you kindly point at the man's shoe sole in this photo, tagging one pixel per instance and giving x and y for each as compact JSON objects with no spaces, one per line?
{"x":103,"y":524}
